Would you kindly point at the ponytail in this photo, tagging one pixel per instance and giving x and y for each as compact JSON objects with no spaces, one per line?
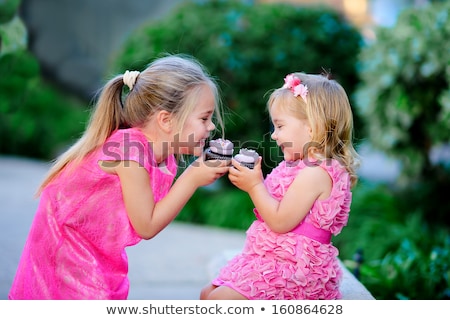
{"x":105,"y":119}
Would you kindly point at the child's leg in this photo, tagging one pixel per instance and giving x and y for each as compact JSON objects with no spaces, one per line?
{"x":212,"y":292}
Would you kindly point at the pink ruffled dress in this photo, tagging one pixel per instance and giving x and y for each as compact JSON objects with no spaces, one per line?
{"x":76,"y":245}
{"x":300,"y":264}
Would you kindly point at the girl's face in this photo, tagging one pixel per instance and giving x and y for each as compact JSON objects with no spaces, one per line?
{"x":291,"y":133}
{"x":198,"y":125}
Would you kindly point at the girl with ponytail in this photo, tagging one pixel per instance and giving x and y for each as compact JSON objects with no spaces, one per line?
{"x":115,"y":186}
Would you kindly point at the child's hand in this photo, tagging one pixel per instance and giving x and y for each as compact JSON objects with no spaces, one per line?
{"x":203,"y":172}
{"x":245,"y":178}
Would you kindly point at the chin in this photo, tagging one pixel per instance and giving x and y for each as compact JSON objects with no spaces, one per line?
{"x":191,"y":151}
{"x":196,"y":152}
{"x":289,"y":158}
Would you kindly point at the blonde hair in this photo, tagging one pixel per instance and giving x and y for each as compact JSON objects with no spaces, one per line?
{"x":328,"y":112}
{"x":171,"y":83}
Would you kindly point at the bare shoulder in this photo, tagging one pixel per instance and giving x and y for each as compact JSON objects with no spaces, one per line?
{"x":316,"y":178}
{"x":314,"y":172}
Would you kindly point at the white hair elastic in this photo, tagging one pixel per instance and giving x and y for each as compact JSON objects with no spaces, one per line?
{"x":129,"y":78}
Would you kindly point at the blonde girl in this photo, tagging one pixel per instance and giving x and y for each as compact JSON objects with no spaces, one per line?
{"x":114,"y":187}
{"x":301,"y":204}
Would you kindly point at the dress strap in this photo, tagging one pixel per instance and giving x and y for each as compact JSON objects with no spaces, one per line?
{"x":310,"y":231}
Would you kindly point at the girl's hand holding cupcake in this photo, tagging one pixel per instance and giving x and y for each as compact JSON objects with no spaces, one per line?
{"x":245,"y":178}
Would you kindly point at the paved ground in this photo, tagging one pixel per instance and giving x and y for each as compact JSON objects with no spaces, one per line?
{"x":172,"y":266}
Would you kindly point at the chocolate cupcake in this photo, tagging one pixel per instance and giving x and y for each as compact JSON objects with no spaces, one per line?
{"x":247,"y":158}
{"x":219,"y":149}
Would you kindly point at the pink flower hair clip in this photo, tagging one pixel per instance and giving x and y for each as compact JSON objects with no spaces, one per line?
{"x":294,"y":84}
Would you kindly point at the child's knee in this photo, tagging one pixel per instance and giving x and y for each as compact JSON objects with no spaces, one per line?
{"x":204,"y":293}
{"x":224,"y":293}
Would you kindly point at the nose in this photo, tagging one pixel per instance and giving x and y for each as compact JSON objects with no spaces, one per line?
{"x":211,"y":126}
{"x":273,"y":136}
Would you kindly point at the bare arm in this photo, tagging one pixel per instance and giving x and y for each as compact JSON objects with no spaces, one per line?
{"x":310,"y":184}
{"x":149,"y":218}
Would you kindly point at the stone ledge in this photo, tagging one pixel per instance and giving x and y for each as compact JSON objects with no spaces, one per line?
{"x":351,"y":288}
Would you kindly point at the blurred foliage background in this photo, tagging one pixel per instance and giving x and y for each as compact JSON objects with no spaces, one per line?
{"x":37,"y":118}
{"x":397,"y":240}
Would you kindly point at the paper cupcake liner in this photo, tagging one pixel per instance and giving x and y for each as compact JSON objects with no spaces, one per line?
{"x":248,"y":165}
{"x":209,"y":155}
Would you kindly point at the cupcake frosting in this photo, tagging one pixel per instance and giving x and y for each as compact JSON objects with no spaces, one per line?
{"x":247,"y":156}
{"x":221,"y":146}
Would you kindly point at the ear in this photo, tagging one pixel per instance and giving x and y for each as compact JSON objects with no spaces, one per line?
{"x":165,"y":120}
{"x":309,"y":131}
{"x":308,"y":128}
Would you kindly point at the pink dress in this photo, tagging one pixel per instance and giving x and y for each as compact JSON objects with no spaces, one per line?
{"x":76,"y":245}
{"x":300,"y":264}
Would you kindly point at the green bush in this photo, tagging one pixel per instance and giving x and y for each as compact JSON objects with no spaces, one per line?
{"x":13,"y":36}
{"x":404,"y":100}
{"x":36,"y":120}
{"x":403,"y":257}
{"x":8,"y":10}
{"x":250,"y":48}
{"x":413,"y":271}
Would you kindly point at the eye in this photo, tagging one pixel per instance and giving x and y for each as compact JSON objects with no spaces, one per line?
{"x":206,"y":117}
